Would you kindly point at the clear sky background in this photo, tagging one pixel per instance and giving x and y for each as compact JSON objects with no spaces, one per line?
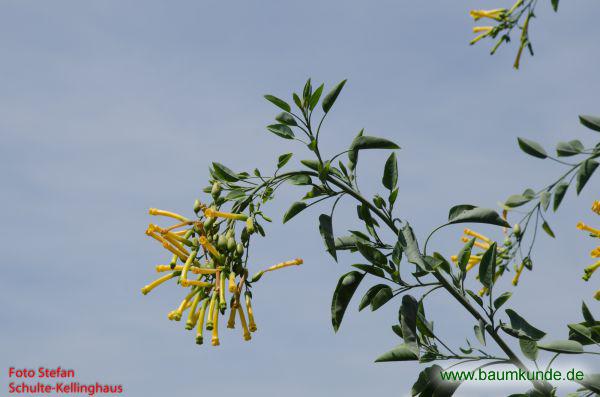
{"x":108,"y":108}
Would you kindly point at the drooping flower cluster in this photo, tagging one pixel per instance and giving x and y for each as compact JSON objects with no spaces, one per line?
{"x":595,"y":253}
{"x":209,"y":263}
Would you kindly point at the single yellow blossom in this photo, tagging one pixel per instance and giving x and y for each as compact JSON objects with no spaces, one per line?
{"x":155,"y":211}
{"x":247,"y":335}
{"x":200,"y":327}
{"x":515,"y":279}
{"x":210,"y":213}
{"x":588,"y":271}
{"x":231,"y":320}
{"x":232,"y":287}
{"x":210,"y":248}
{"x":492,"y":14}
{"x":595,"y":253}
{"x":193,"y":269}
{"x":215,"y":331}
{"x":583,"y":226}
{"x":596,"y":207}
{"x":211,"y":309}
{"x":158,"y":282}
{"x":472,"y":233}
{"x":251,"y":323}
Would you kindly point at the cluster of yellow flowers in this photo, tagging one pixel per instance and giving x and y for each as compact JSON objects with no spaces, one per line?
{"x":207,"y":259}
{"x":588,"y":271}
{"x":484,"y":243}
{"x":485,"y":31}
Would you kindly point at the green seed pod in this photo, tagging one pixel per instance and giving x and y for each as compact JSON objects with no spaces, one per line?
{"x":197,"y":206}
{"x":250,"y":225}
{"x":222,"y":242}
{"x":230,"y":244}
{"x":229,"y":233}
{"x":209,"y":223}
{"x":216,"y":190}
{"x":239,"y":249}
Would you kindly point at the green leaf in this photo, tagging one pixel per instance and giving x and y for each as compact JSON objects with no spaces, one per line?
{"x":306,"y":93}
{"x":559,"y":194}
{"x":562,"y":346}
{"x":516,"y":200}
{"x":411,"y":248}
{"x":522,"y":327}
{"x":480,"y":333}
{"x":382,"y":296}
{"x":571,"y":148}
{"x":286,"y":118}
{"x":314,"y":99}
{"x":591,"y":382}
{"x":470,"y":214}
{"x":545,"y":199}
{"x":475,"y":297}
{"x":587,"y":314}
{"x":390,"y":172}
{"x":529,"y":348}
{"x":278,"y":102}
{"x":374,"y":270}
{"x":554,"y":5}
{"x":372,"y":142}
{"x":499,"y":301}
{"x":326,"y":230}
{"x":548,"y":230}
{"x":344,"y":291}
{"x":583,"y":334}
{"x":401,"y":352}
{"x":408,"y":319}
{"x":591,"y":122}
{"x":297,"y":100}
{"x":368,"y":297}
{"x":225,"y":173}
{"x":281,"y":130}
{"x":283,"y":159}
{"x":585,"y":172}
{"x":330,"y":98}
{"x":371,"y":254}
{"x":312,"y":164}
{"x":487,"y":266}
{"x":532,"y":148}
{"x":463,"y":257}
{"x":300,"y":180}
{"x":294,"y":210}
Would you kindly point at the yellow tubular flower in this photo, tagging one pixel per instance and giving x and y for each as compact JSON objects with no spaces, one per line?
{"x":473,"y":261}
{"x":472,"y":233}
{"x":193,"y":269}
{"x":492,"y":14}
{"x":595,"y":253}
{"x":484,"y":246}
{"x":185,"y":304}
{"x":222,"y":303}
{"x":583,"y":226}
{"x":596,"y":207}
{"x":232,"y":287}
{"x":215,"y":331}
{"x":515,"y":279}
{"x":251,"y":323}
{"x":482,"y":29}
{"x":247,"y":335}
{"x":191,"y":320}
{"x":210,"y":213}
{"x":177,"y":241}
{"x":590,"y":270}
{"x":201,"y":314}
{"x":196,"y":283}
{"x":295,"y":262}
{"x":210,"y":248}
{"x":211,"y":309}
{"x":231,"y":320}
{"x":186,"y":268}
{"x":157,"y":282}
{"x":155,"y":211}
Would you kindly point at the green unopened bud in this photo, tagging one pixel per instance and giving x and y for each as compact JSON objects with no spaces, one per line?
{"x":517,"y":230}
{"x":250,"y":225}
{"x":208,"y":223}
{"x":222,"y":242}
{"x":197,"y":206}
{"x":231,"y":244}
{"x":239,"y":249}
{"x":257,"y":276}
{"x":245,"y":236}
{"x":216,"y":190}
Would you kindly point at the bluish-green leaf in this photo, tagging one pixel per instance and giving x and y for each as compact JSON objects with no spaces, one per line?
{"x":368,"y":296}
{"x":532,"y":148}
{"x":401,"y":352}
{"x":371,"y":269}
{"x":382,"y":296}
{"x":286,"y":118}
{"x":591,"y":122}
{"x":522,"y":327}
{"x":314,"y":98}
{"x":529,"y":348}
{"x":585,"y":172}
{"x":294,"y":210}
{"x":326,"y":230}
{"x":344,"y":291}
{"x":516,"y":200}
{"x":330,"y":98}
{"x":225,"y":173}
{"x":283,"y":159}
{"x":280,"y":103}
{"x":562,"y":346}
{"x":281,"y":130}
{"x":571,"y":148}
{"x":390,"y":172}
{"x":471,"y":214}
{"x":372,"y":142}
{"x":371,"y":254}
{"x":499,"y":301}
{"x":559,"y":194}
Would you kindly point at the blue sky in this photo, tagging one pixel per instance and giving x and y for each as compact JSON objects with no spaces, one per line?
{"x":109,"y":108}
